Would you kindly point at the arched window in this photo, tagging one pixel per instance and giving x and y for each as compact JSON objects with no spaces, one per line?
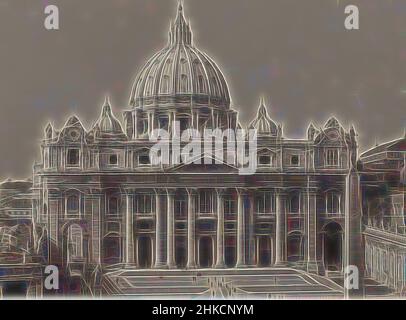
{"x":72,"y":204}
{"x":183,"y":66}
{"x":165,"y":84}
{"x":184,"y":83}
{"x":202,"y":87}
{"x":113,"y":205}
{"x":332,"y":202}
{"x":75,"y":242}
{"x":73,"y":157}
{"x":294,"y":203}
{"x":150,"y":85}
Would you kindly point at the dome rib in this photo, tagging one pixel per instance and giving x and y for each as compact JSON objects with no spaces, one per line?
{"x":208,"y":87}
{"x":192,"y":76}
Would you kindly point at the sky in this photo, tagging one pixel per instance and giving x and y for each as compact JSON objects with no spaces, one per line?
{"x":295,"y":53}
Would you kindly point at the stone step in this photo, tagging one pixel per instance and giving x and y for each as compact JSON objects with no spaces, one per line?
{"x":164,"y":290}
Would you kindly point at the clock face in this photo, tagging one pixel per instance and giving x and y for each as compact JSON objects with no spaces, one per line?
{"x":333,"y":135}
{"x":74,"y":135}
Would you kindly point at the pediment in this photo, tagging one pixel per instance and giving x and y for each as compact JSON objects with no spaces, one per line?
{"x":204,"y":164}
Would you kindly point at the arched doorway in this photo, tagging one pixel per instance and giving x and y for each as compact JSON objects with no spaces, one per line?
{"x":264,"y":254}
{"x":144,"y":252}
{"x":230,"y":253}
{"x":180,"y":252}
{"x":112,"y":249}
{"x":205,"y":252}
{"x":295,"y":248}
{"x":75,"y":243}
{"x":333,"y":247}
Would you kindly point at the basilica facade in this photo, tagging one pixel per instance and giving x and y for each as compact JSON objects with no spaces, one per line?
{"x":100,"y":201}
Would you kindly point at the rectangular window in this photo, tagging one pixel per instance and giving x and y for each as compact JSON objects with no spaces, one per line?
{"x":163,"y":123}
{"x":264,"y":160}
{"x":230,"y":205}
{"x":73,"y":157}
{"x":144,"y":160}
{"x":184,"y":124}
{"x":294,"y":160}
{"x":181,"y":207}
{"x":332,"y":157}
{"x":206,"y":202}
{"x":264,"y":203}
{"x":143,"y":203}
{"x":113,"y":160}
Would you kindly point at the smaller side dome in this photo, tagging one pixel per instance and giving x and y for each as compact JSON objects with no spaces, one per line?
{"x":107,"y":122}
{"x":263,"y":123}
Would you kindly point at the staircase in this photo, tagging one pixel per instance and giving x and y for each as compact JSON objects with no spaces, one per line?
{"x":374,"y":289}
{"x":267,"y":283}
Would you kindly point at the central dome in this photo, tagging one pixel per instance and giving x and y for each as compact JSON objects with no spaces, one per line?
{"x":180,"y":73}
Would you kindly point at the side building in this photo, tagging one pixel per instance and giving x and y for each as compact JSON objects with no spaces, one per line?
{"x":383,"y":184}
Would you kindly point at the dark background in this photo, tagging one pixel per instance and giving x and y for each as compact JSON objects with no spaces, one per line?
{"x":296,"y":53}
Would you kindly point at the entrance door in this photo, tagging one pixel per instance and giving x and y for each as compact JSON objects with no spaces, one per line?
{"x":333,"y":247}
{"x":111,"y":250}
{"x":205,"y":252}
{"x":181,"y":252}
{"x":145,"y":252}
{"x":264,"y":251}
{"x":230,"y":255}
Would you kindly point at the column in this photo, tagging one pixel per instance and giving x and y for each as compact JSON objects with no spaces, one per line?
{"x":191,"y":229}
{"x":311,"y":230}
{"x":240,"y":230}
{"x":93,"y":202}
{"x":159,"y":231}
{"x":353,"y":241}
{"x":129,"y":236}
{"x":251,"y":229}
{"x":220,"y":228}
{"x":280,"y":259}
{"x":170,"y":230}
